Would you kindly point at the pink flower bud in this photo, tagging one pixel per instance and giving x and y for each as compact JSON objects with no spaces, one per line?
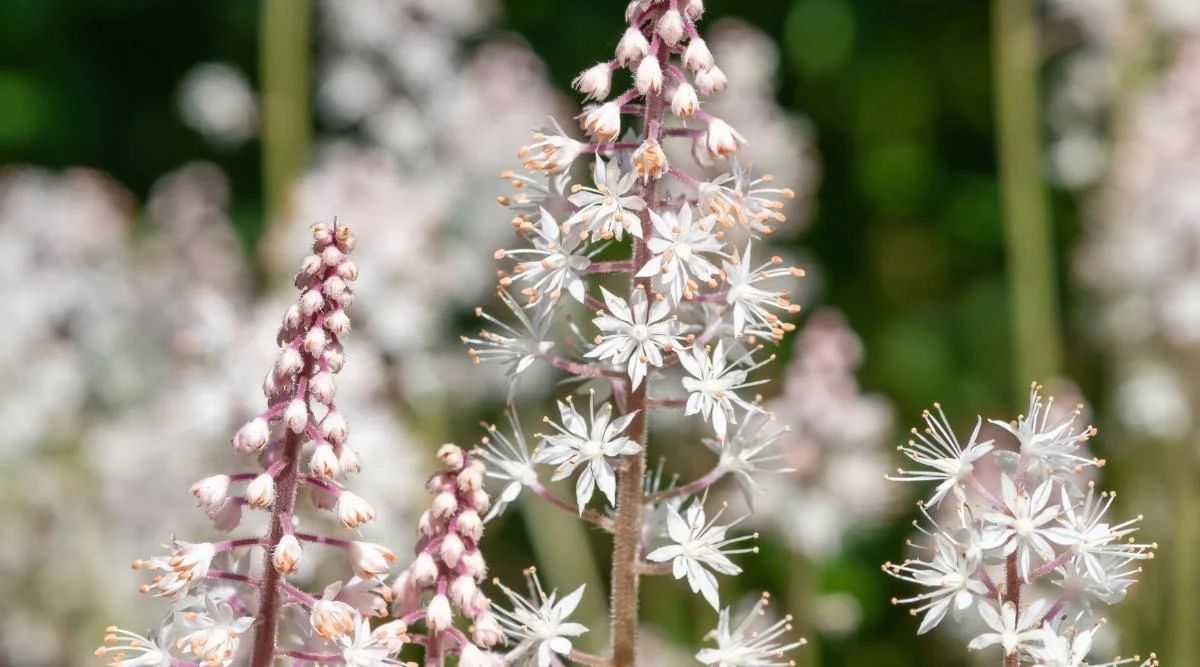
{"x":296,"y":415}
{"x":314,"y":341}
{"x":424,"y":570}
{"x":406,"y":595}
{"x":348,"y":271}
{"x":474,"y":564}
{"x":353,"y":511}
{"x":603,"y":121}
{"x":324,"y":462}
{"x":293,"y":317}
{"x":670,"y":27}
{"x":486,"y":631}
{"x":632,"y":47}
{"x":451,"y":550}
{"x":311,"y":302}
{"x":346,"y":299}
{"x":649,"y":77}
{"x":252,"y":436}
{"x":322,"y":387}
{"x":260,"y":492}
{"x":286,"y":555}
{"x":334,"y":357}
{"x":480,"y":501}
{"x":331,"y":619}
{"x":711,"y":80}
{"x":289,"y":362}
{"x":684,"y":102}
{"x":438,"y":615}
{"x":451,"y":456}
{"x":349,"y":462}
{"x":595,"y":82}
{"x":312,"y":265}
{"x":427,"y":525}
{"x":721,"y":139}
{"x":210,"y":491}
{"x":333,"y":427}
{"x":693,"y":8}
{"x":462,"y":593}
{"x":392,"y":636}
{"x":322,"y":234}
{"x":650,"y":161}
{"x":470,"y":479}
{"x":331,"y":256}
{"x":370,"y":560}
{"x":226,"y":516}
{"x":334,"y":287}
{"x":697,"y":57}
{"x":444,"y":505}
{"x":469,"y":525}
{"x":338,"y":323}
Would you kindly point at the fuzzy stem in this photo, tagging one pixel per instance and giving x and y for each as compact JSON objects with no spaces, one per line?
{"x":1012,"y":593}
{"x":630,"y":500}
{"x":270,"y":591}
{"x":434,"y":657}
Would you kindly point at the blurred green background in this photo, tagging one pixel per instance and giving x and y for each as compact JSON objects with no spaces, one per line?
{"x":908,"y":224}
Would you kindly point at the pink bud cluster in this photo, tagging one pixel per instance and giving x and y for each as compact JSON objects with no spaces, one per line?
{"x":300,"y":441}
{"x":444,"y":577}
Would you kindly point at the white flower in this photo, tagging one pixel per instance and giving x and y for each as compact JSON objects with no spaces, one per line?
{"x":752,"y":304}
{"x":608,"y":209}
{"x":515,"y":347}
{"x":750,"y":451}
{"x":552,"y":151}
{"x":191,"y":560}
{"x":1010,"y":631}
{"x":1022,"y":528}
{"x":507,"y":460}
{"x":736,"y":198}
{"x":943,"y":458}
{"x":700,"y":545}
{"x":210,"y":491}
{"x":678,"y":248}
{"x":134,"y":650}
{"x":594,"y":82}
{"x":1094,"y":541}
{"x":951,"y":573}
{"x":331,"y":618}
{"x":557,"y":263}
{"x":1065,"y":650}
{"x":746,"y":646}
{"x":215,"y":634}
{"x":363,"y":648}
{"x":1049,"y":449}
{"x":539,"y":626}
{"x":578,"y":443}
{"x":635,"y":334}
{"x":712,"y":383}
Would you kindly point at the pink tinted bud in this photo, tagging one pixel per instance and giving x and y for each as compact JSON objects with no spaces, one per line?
{"x":697,"y":57}
{"x":331,"y":256}
{"x":480,"y":501}
{"x":474,"y":565}
{"x":293,"y":317}
{"x":486,"y":631}
{"x":451,"y":456}
{"x":632,"y":47}
{"x":333,"y":427}
{"x":470,"y":479}
{"x":370,"y":560}
{"x":322,"y":387}
{"x":322,"y":234}
{"x":289,"y":362}
{"x":286,"y":555}
{"x":349,"y":462}
{"x":451,"y":550}
{"x":314,"y":341}
{"x":603,"y":121}
{"x":649,"y":77}
{"x":210,"y":492}
{"x":322,"y":499}
{"x":353,"y":511}
{"x":670,"y":27}
{"x":693,"y":8}
{"x":470,"y":525}
{"x":438,"y":615}
{"x":311,"y":302}
{"x":348,"y":271}
{"x":406,"y":595}
{"x":296,"y":415}
{"x":462,"y":593}
{"x":595,"y":82}
{"x":324,"y":462}
{"x":335,"y":358}
{"x":252,"y":436}
{"x":334,"y":287}
{"x":338,"y":323}
{"x":427,"y":524}
{"x":444,"y":505}
{"x":711,"y":80}
{"x":684,"y":102}
{"x":346,"y":299}
{"x":226,"y":516}
{"x":424,"y":570}
{"x":722,"y":139}
{"x":312,"y":265}
{"x":260,"y":492}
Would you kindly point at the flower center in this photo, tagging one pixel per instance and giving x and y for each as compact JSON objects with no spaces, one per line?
{"x":1024,"y":527}
{"x":639,"y":332}
{"x":590,"y":449}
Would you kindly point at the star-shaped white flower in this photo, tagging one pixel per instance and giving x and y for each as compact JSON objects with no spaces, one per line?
{"x":557,"y":263}
{"x":699,"y":546}
{"x":712,"y":382}
{"x":1009,"y":630}
{"x":1024,"y":526}
{"x":539,"y":625}
{"x":951,"y":576}
{"x":608,"y":209}
{"x":507,"y":460}
{"x":363,"y":649}
{"x":590,"y":445}
{"x":753,"y":305}
{"x":215,"y":633}
{"x":1049,"y":449}
{"x":677,"y":261}
{"x":747,"y":646}
{"x":943,"y":458}
{"x":634,"y":333}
